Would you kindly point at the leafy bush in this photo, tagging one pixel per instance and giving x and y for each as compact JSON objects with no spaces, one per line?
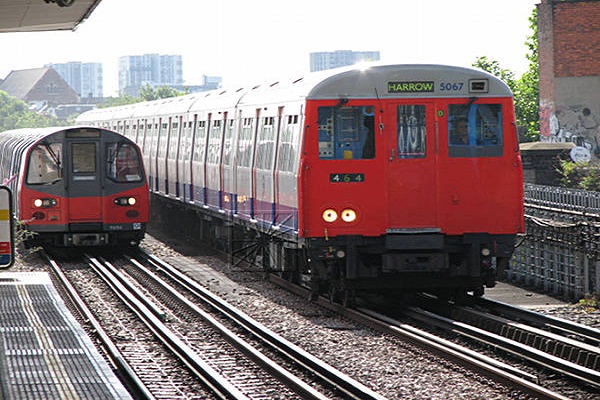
{"x":580,"y":175}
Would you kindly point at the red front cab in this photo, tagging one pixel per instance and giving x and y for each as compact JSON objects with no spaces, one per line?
{"x":388,"y":186}
{"x":78,"y":186}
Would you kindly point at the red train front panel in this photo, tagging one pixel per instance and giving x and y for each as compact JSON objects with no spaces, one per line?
{"x":390,"y":186}
{"x":89,"y":189}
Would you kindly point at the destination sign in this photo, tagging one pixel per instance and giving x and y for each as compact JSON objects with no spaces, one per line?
{"x":411,"y":87}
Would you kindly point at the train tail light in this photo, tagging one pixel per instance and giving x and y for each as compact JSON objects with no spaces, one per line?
{"x":125,"y":201}
{"x":349,"y":215}
{"x":329,"y":215}
{"x":44,"y":203}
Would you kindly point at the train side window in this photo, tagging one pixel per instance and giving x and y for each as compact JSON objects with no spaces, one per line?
{"x":214,"y":142}
{"x":475,"y":130}
{"x":200,"y":141}
{"x":265,"y":152}
{"x":346,"y":132}
{"x":45,"y":164}
{"x":244,"y":148}
{"x":123,"y":163}
{"x":411,"y":131}
{"x":287,"y":147}
{"x":228,"y":142}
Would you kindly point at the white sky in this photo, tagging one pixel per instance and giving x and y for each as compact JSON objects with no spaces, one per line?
{"x":251,"y":40}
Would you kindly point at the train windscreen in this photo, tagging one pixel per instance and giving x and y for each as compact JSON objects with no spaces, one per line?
{"x":475,"y":130}
{"x":123,"y":163}
{"x":45,"y":164}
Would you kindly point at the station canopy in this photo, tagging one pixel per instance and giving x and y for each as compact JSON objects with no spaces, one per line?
{"x":44,"y":15}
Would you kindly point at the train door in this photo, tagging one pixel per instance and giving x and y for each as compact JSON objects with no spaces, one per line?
{"x":412,"y":167}
{"x":84,"y":179}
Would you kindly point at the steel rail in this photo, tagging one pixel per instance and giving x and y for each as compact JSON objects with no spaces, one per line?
{"x":516,"y":348}
{"x":275,"y":369}
{"x":352,"y":388}
{"x":221,"y":387}
{"x":590,"y":335}
{"x":430,"y":343}
{"x":134,"y":383}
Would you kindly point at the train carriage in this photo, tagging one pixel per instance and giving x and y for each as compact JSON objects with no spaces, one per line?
{"x":76,"y":186}
{"x":397,"y":177}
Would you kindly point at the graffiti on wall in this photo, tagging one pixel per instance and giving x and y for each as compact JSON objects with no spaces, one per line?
{"x":577,"y":124}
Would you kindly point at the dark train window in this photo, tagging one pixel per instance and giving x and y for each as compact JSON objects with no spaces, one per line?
{"x":83,"y":156}
{"x":475,"y":130}
{"x":123,"y":163}
{"x":45,"y":164}
{"x":346,"y":133}
{"x":411,"y":131}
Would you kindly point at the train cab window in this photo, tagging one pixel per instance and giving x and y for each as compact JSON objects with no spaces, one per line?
{"x":123,"y":163}
{"x":45,"y":164}
{"x":475,"y":130}
{"x":411,"y":131}
{"x":346,"y":133}
{"x":83,"y":157}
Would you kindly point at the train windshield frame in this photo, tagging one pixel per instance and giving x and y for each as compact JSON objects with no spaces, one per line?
{"x":124,"y":163}
{"x":45,"y":164}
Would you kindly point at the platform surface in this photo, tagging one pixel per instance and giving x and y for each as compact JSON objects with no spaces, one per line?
{"x":44,"y":351}
{"x":522,"y":297}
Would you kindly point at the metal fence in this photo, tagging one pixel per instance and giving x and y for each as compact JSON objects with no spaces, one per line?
{"x":560,"y":252}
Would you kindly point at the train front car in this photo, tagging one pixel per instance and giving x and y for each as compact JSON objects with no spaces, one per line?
{"x":79,"y":186}
{"x":411,"y":179}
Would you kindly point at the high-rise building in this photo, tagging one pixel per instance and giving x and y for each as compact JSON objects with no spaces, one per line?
{"x":149,"y":69}
{"x":84,"y":78}
{"x":334,"y":59}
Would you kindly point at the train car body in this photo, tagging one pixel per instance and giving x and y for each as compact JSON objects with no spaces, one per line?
{"x":76,"y":186}
{"x":347,"y":179}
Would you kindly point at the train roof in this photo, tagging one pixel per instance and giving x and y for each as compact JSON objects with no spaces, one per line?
{"x":374,"y":80}
{"x":32,"y":135}
{"x":412,"y":80}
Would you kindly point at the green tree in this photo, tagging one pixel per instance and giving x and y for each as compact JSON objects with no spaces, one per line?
{"x":525,"y":89}
{"x":15,"y":113}
{"x":122,"y":100}
{"x":148,"y":93}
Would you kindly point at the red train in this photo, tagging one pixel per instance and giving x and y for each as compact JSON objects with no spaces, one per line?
{"x":76,"y":186}
{"x":394,"y":177}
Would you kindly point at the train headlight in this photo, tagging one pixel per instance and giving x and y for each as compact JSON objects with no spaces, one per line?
{"x":349,"y":215}
{"x":329,"y":215}
{"x":44,"y":203}
{"x":125,"y":201}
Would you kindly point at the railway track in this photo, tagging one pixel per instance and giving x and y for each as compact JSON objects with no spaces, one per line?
{"x":561,"y":346}
{"x":233,"y":356}
{"x":498,"y":370}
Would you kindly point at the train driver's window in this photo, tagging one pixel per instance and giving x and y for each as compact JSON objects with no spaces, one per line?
{"x":123,"y":163}
{"x":45,"y":164}
{"x":346,"y":132}
{"x":475,"y":130}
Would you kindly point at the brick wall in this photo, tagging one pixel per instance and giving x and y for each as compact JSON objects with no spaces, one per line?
{"x":569,"y":55}
{"x":576,"y":38}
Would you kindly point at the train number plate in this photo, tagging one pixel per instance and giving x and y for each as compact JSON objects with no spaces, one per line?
{"x":346,"y":178}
